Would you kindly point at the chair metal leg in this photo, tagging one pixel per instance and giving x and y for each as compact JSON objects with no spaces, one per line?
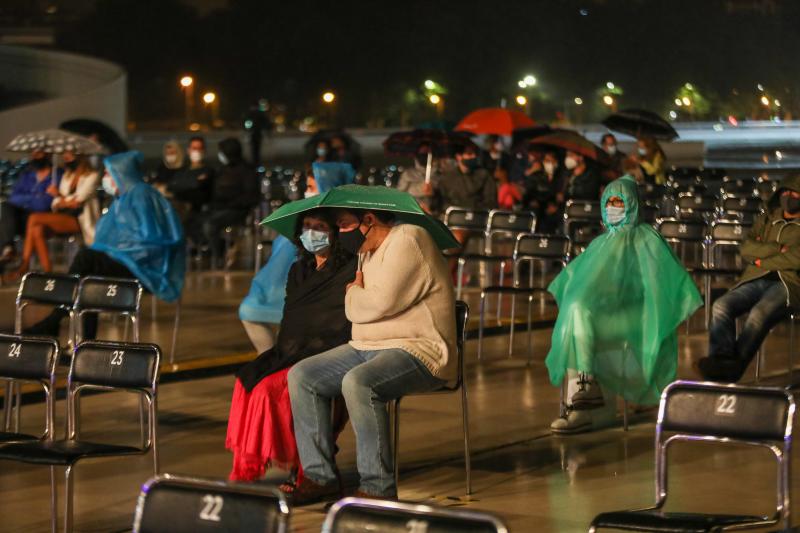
{"x":7,"y":407}
{"x":17,"y":405}
{"x":175,"y":331}
{"x":53,"y":501}
{"x":459,"y":276}
{"x":396,"y":443}
{"x":480,"y":324}
{"x":68,"y":499}
{"x":500,"y":294}
{"x":758,"y":364}
{"x":153,"y":404}
{"x":791,"y":350}
{"x":625,"y":414}
{"x":530,"y":330}
{"x":707,"y":310}
{"x":465,"y":420}
{"x":513,"y":315}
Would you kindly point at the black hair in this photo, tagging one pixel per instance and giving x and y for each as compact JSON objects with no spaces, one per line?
{"x":606,"y":136}
{"x":197,"y":138}
{"x":386,"y":217}
{"x":338,"y":256}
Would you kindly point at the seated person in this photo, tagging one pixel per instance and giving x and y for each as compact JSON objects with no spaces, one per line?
{"x":33,"y":192}
{"x":544,"y":194}
{"x":401,"y":305}
{"x":583,"y":181}
{"x":260,"y":430}
{"x":619,"y":303}
{"x":172,"y":162}
{"x":412,"y":180}
{"x":139,"y":237}
{"x":74,"y":210}
{"x":767,"y":291}
{"x":189,"y":188}
{"x":262,"y":309}
{"x":652,"y":159}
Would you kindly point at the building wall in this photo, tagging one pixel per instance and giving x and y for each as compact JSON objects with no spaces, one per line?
{"x":74,"y":86}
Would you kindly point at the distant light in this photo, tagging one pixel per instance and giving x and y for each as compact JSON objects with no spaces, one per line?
{"x":248,"y":124}
{"x":209,"y":97}
{"x":608,"y":100}
{"x":521,"y":84}
{"x":530,"y":80}
{"x":429,"y":84}
{"x":578,"y":100}
{"x":688,"y":86}
{"x":673,"y":115}
{"x":435,"y":99}
{"x":610,"y":85}
{"x":732,"y":120}
{"x":194,"y":126}
{"x":678,"y":102}
{"x":717,"y":127}
{"x":51,"y":10}
{"x":778,"y":154}
{"x":584,"y":12}
{"x":328,"y":97}
{"x":760,"y":87}
{"x":765,"y":100}
{"x":521,"y":100}
{"x":685,"y":100}
{"x":777,"y":102}
{"x":187,"y":81}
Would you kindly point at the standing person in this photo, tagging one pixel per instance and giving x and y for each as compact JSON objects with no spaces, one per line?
{"x":74,"y":210}
{"x":401,"y":305}
{"x":262,"y":309}
{"x":544,"y":194}
{"x":615,"y":156}
{"x":768,"y":290}
{"x":495,"y":157}
{"x":172,"y":162}
{"x":191,"y":187}
{"x":256,"y":123}
{"x":234,"y":194}
{"x":139,"y":237}
{"x":33,"y":192}
{"x":652,"y":159}
{"x":412,"y":180}
{"x":619,"y":305}
{"x":260,"y":432}
{"x":584,"y":182}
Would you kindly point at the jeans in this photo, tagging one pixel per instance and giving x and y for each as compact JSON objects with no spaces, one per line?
{"x":764,"y":301}
{"x":367,"y":380}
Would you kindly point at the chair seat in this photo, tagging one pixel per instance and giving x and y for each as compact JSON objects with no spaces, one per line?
{"x":485,"y":257}
{"x":62,"y":452}
{"x":513,"y":290}
{"x":712,"y":271}
{"x":669,"y":522}
{"x":13,"y":437}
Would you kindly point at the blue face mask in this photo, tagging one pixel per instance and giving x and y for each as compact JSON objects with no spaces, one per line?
{"x":615,"y":215}
{"x":108,"y":186}
{"x":314,"y":241}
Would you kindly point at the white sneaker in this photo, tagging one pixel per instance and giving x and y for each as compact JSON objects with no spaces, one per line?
{"x":572,"y":422}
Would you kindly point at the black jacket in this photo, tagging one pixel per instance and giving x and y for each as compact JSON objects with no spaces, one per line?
{"x":584,"y":186}
{"x":236,"y":184}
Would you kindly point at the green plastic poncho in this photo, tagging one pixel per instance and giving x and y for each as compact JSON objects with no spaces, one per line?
{"x":620,"y":303}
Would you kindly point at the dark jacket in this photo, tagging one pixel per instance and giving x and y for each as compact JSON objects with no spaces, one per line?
{"x":193,"y":186}
{"x":236,"y":184}
{"x":584,"y":186}
{"x":770,"y":233}
{"x":313,"y":321}
{"x":541,"y":191}
{"x":30,"y":194}
{"x":475,"y":190}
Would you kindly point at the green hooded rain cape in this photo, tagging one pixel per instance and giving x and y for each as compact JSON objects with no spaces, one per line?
{"x":620,"y":303}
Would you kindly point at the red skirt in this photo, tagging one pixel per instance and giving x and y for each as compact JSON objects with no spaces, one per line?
{"x":260,"y":431}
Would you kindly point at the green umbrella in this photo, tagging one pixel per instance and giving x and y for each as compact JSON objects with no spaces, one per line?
{"x":402,"y":204}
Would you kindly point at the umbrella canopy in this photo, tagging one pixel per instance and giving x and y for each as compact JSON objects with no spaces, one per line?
{"x":106,"y":135}
{"x":494,"y":121}
{"x":572,"y":141}
{"x":54,"y":142}
{"x":402,"y":204}
{"x":640,"y":123}
{"x":442,"y":143}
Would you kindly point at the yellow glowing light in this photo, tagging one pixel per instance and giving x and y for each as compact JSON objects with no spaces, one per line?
{"x":529,"y":80}
{"x":685,"y":100}
{"x":435,"y":99}
{"x":521,"y":100}
{"x":610,"y":85}
{"x":328,"y":97}
{"x":521,"y":84}
{"x":209,"y":98}
{"x":678,"y":102}
{"x":765,"y":100}
{"x":578,"y":100}
{"x":608,"y":100}
{"x":187,"y":81}
{"x":777,"y":103}
{"x":429,"y":84}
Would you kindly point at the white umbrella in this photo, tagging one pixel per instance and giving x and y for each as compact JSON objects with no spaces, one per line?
{"x":54,"y":142}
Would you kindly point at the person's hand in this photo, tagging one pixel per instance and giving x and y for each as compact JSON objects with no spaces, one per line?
{"x":358,"y":282}
{"x":552,"y":209}
{"x":784,"y":249}
{"x":52,"y":190}
{"x":427,"y":189}
{"x":757,"y":262}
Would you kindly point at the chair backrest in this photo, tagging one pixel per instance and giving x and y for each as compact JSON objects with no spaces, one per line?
{"x":648,"y":213}
{"x":696,"y":202}
{"x":462,"y":316}
{"x":738,"y":203}
{"x":681,"y":230}
{"x":171,"y":504}
{"x":542,"y":246}
{"x":723,"y":230}
{"x":116,"y":365}
{"x":511,"y":221}
{"x":468,"y":219}
{"x":117,"y":295}
{"x":583,"y":234}
{"x":739,"y":187}
{"x":48,"y":289}
{"x":356,"y":515}
{"x":582,"y":209}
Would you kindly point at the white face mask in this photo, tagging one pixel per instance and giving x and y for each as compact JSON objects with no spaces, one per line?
{"x":109,"y":186}
{"x":196,"y":156}
{"x":171,"y":159}
{"x":612,"y":149}
{"x":549,"y":168}
{"x":570,"y":163}
{"x":642,"y":151}
{"x":222,"y":158}
{"x":309,"y":194}
{"x":615,"y":215}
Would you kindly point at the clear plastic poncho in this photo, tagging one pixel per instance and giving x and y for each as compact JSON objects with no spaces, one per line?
{"x":264,"y":302}
{"x":141,"y":230}
{"x":620,"y":303}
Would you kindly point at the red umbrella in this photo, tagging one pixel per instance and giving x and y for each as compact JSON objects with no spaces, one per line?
{"x":494,"y":121}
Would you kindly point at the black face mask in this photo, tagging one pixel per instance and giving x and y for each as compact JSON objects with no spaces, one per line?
{"x":422,"y":159}
{"x":790,"y":204}
{"x":352,"y":240}
{"x":71,"y":165}
{"x":471,"y":164}
{"x":39,"y":163}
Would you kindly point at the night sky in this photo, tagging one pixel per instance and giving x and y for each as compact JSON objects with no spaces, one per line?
{"x":372,"y":52}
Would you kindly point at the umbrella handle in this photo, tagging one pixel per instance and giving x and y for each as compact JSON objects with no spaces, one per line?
{"x":54,"y":170}
{"x":429,"y":167}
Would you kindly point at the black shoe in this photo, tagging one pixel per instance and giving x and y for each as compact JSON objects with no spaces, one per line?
{"x":44,"y":328}
{"x":721,"y":369}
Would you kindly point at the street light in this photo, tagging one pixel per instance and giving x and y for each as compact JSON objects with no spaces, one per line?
{"x":777,"y":103}
{"x":521,"y":84}
{"x":328,"y":97}
{"x":530,"y":80}
{"x":211,"y":102}
{"x":608,"y":100}
{"x":186,"y":81}
{"x":187,"y":86}
{"x":521,"y":100}
{"x":610,"y":85}
{"x":765,"y":100}
{"x":209,"y":98}
{"x":678,"y":102}
{"x":435,"y":99}
{"x":686,"y":101}
{"x":430,"y":84}
{"x":578,"y":100}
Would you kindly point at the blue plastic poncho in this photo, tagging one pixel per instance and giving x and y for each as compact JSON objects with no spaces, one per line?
{"x":620,"y":303}
{"x":264,"y":302}
{"x":141,"y":230}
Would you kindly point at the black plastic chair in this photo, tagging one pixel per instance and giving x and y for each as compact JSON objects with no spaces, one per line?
{"x":118,"y":296}
{"x":174,"y":504}
{"x":32,"y":360}
{"x":95,"y":365}
{"x":714,"y":413}
{"x":695,"y":206}
{"x":683,"y":233}
{"x":462,"y":315}
{"x":353,"y":515}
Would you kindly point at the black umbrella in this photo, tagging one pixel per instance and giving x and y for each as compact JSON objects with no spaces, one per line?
{"x":640,"y":123}
{"x":350,"y":144}
{"x":442,"y":144}
{"x":521,"y":137}
{"x":106,"y":135}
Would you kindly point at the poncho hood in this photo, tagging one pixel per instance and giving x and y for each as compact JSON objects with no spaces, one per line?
{"x":626,"y":188}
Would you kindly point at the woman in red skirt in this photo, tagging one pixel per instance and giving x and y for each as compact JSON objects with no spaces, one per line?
{"x":260,"y":432}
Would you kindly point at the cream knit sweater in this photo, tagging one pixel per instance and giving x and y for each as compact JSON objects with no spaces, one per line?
{"x":407,"y":301}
